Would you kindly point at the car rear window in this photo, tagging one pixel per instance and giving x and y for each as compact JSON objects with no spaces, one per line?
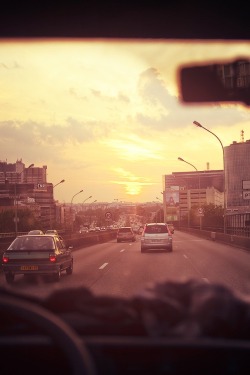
{"x":154,"y":229}
{"x":32,"y":243}
{"x":122,"y":230}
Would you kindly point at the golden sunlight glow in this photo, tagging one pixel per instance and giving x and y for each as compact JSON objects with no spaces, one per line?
{"x":105,"y":114}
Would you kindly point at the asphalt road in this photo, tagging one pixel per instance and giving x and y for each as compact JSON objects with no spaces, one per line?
{"x":120,"y":269}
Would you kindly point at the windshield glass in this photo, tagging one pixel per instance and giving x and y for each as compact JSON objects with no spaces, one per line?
{"x":94,"y":135}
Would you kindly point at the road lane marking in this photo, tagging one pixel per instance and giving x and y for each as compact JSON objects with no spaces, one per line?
{"x":103,"y":266}
{"x":122,"y":250}
{"x":206,"y":280}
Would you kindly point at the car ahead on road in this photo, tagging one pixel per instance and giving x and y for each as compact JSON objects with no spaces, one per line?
{"x":84,"y":230}
{"x":156,"y":236}
{"x":37,"y":255}
{"x":51,"y":231}
{"x":36,"y":231}
{"x":125,"y":234}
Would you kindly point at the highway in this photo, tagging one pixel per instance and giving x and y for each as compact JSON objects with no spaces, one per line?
{"x":120,"y":269}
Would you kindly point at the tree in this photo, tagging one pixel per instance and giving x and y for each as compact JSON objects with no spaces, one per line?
{"x":213,"y":216}
{"x":26,"y":221}
{"x":212,"y":219}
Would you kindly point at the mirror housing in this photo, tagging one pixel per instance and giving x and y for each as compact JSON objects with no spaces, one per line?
{"x":222,"y":82}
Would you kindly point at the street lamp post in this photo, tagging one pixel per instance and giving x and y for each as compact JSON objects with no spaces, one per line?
{"x":199,"y":187}
{"x":50,"y":214}
{"x":85,"y":201}
{"x":72,"y":209}
{"x":16,"y":201}
{"x":224,"y":177}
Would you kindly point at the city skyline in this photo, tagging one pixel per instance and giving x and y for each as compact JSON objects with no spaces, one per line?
{"x":111,"y":129}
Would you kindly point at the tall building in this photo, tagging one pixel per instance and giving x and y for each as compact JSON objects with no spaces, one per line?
{"x":27,"y":187}
{"x":237,"y":175}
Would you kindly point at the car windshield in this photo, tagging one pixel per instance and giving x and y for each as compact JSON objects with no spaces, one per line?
{"x":111,"y":110}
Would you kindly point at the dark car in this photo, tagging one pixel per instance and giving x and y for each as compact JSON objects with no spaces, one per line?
{"x":125,"y":234}
{"x":37,"y":255}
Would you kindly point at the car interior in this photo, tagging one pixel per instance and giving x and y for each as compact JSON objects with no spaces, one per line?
{"x":172,"y":328}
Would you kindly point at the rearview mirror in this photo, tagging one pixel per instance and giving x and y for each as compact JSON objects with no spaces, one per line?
{"x":222,"y":82}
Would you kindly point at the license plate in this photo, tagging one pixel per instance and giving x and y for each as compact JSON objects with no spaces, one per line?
{"x":29,"y":268}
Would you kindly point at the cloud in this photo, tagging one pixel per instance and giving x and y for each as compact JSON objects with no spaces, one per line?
{"x":73,"y":131}
{"x":164,"y":111}
{"x":13,"y":65}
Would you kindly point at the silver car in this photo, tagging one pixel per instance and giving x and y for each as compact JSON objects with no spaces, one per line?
{"x":156,"y":236}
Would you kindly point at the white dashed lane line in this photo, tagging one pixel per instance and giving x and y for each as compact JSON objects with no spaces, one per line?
{"x":103,"y":266}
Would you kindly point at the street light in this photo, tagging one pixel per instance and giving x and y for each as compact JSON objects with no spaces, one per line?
{"x":71,"y":207}
{"x":161,"y":203}
{"x":16,"y":201}
{"x":85,"y":201}
{"x":224,"y":182}
{"x":58,"y":183}
{"x":50,"y":213}
{"x":199,"y":186}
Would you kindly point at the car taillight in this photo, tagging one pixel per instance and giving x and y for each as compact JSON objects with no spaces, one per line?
{"x":52,"y":258}
{"x":5,"y":259}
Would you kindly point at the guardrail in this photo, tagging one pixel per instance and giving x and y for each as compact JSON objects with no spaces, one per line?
{"x":230,"y":239}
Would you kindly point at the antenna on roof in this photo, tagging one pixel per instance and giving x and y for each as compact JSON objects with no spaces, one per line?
{"x":242,"y":136}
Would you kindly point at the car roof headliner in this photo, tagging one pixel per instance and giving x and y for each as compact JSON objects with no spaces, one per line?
{"x":129,"y":19}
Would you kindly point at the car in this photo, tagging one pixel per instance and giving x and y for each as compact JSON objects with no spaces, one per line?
{"x":51,"y":231}
{"x":37,"y":255}
{"x":194,"y":316}
{"x":84,"y":230}
{"x":156,"y":236}
{"x":125,"y":234}
{"x":36,"y":231}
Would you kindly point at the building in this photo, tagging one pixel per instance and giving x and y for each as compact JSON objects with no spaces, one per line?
{"x":184,"y":190}
{"x":237,"y":175}
{"x":27,"y":187}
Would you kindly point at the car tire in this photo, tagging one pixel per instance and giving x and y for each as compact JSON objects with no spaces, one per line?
{"x":57,"y":275}
{"x":143,"y":250}
{"x":69,"y":270}
{"x":9,"y":277}
{"x":170,"y":249}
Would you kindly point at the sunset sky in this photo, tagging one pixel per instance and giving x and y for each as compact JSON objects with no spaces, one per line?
{"x":105,"y":116}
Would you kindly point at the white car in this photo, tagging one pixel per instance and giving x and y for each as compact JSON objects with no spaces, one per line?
{"x":156,"y":236}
